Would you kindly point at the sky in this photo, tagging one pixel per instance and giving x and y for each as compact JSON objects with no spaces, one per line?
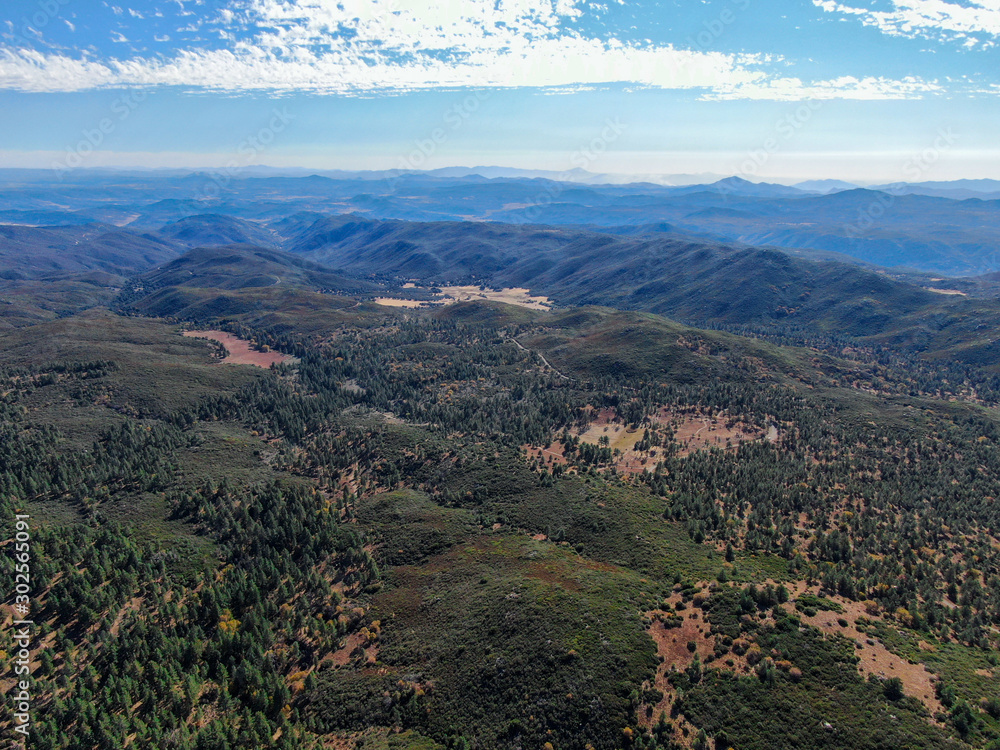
{"x":780,"y":90}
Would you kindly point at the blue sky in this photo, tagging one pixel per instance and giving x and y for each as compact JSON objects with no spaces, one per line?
{"x":869,"y":90}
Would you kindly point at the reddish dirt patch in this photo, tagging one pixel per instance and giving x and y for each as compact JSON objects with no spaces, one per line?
{"x":239,"y":350}
{"x":672,"y":643}
{"x":875,"y":658}
{"x":342,"y":656}
{"x":551,"y":455}
{"x":693,"y":431}
{"x":672,"y":646}
{"x":352,"y":740}
{"x":700,"y":431}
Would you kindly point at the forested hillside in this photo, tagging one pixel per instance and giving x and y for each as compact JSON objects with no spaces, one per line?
{"x":480,"y":525}
{"x":302,"y":480}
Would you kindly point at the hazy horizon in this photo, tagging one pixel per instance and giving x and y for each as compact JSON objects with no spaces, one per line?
{"x":665,"y":179}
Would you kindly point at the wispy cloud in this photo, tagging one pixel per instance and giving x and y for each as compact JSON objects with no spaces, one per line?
{"x":845,"y":87}
{"x":364,"y":46}
{"x":973,"y":22}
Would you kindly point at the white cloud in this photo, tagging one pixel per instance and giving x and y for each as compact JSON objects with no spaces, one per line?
{"x":28,"y":70}
{"x":845,"y":87}
{"x":931,"y":19}
{"x":361,"y":46}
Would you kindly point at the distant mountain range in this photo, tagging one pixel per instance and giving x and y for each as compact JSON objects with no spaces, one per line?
{"x":950,"y":229}
{"x":575,"y":175}
{"x":207,"y":264}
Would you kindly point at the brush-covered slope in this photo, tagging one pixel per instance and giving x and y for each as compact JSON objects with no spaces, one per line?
{"x":500,"y":528}
{"x":688,"y":278}
{"x":216,"y":229}
{"x":885,"y":227}
{"x":440,"y":251}
{"x":247,"y":266}
{"x":29,"y":252}
{"x":24,"y":302}
{"x":693,"y":279}
{"x":209,"y":283}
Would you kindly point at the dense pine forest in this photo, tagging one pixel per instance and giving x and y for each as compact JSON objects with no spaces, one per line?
{"x":481,"y":526}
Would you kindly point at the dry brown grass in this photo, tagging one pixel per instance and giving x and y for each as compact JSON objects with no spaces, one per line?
{"x":701,"y":431}
{"x":693,"y":431}
{"x":512,"y":296}
{"x":393,"y":302}
{"x":451,"y":294}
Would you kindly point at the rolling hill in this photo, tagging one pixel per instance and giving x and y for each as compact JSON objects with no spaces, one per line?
{"x":652,"y":268}
{"x":216,"y":229}
{"x":667,"y":273}
{"x":491,"y":526}
{"x":207,"y":283}
{"x":30,"y":252}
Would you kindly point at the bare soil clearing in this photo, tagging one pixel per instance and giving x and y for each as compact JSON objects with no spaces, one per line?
{"x":692,"y":431}
{"x":393,"y":302}
{"x":672,"y":648}
{"x":699,"y":431}
{"x":342,"y":657}
{"x":449,"y":295}
{"x":513,"y":296}
{"x":552,"y":455}
{"x":876,"y":659}
{"x":239,"y":350}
